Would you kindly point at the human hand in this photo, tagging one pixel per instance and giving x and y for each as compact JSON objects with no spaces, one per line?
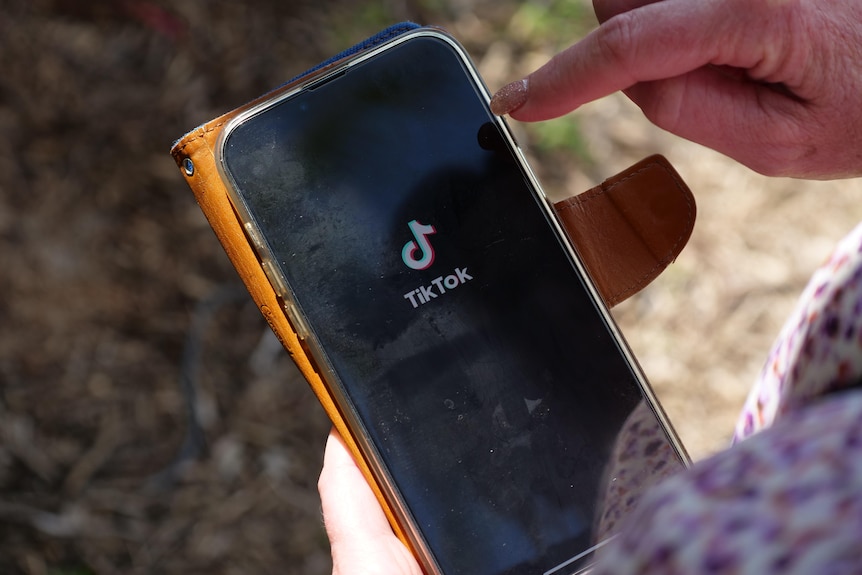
{"x":773,"y":84}
{"x":362,"y":540}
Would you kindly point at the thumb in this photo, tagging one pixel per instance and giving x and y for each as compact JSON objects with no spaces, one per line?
{"x":361,"y":539}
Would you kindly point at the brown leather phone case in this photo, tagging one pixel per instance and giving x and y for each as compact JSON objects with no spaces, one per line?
{"x":626,"y":231}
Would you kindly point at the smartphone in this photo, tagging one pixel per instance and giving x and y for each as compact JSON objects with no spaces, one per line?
{"x":459,"y":335}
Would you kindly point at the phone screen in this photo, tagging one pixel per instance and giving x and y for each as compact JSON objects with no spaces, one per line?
{"x":414,"y":245}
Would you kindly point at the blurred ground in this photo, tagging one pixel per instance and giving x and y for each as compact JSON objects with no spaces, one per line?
{"x":116,"y":296}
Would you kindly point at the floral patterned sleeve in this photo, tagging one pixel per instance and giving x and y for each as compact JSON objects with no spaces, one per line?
{"x":819,"y":350}
{"x":787,"y":496}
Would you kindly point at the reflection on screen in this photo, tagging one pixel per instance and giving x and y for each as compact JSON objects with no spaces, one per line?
{"x":457,"y":325}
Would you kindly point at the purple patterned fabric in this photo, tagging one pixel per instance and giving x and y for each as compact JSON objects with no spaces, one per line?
{"x":819,"y":349}
{"x":787,"y":497}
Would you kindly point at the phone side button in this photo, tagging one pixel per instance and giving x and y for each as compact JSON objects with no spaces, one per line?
{"x":254,"y":237}
{"x":274,"y":277}
{"x":296,"y":320}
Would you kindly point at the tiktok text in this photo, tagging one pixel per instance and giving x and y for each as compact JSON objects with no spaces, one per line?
{"x":438,"y":287}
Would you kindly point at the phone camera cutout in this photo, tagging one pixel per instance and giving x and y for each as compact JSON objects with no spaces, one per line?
{"x":489,"y":138}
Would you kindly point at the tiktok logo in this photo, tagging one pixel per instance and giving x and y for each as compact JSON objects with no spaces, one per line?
{"x":421,"y":245}
{"x":422,"y":260}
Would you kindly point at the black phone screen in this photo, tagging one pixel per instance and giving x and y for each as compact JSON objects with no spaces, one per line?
{"x":449,"y":310}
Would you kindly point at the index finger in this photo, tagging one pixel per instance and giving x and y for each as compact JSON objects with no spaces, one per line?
{"x":652,"y":42}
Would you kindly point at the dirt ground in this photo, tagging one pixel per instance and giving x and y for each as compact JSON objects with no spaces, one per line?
{"x":149,"y":423}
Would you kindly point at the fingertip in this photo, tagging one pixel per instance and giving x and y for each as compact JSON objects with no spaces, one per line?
{"x":554,"y":89}
{"x":344,"y":493}
{"x":339,"y":471}
{"x":335,"y":449}
{"x":510,"y":97}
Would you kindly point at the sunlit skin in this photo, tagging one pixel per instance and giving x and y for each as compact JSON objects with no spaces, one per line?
{"x":362,"y":541}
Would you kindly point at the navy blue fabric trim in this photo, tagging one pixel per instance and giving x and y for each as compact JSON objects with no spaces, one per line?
{"x":379,"y":38}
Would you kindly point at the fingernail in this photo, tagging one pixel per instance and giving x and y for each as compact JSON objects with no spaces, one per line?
{"x":509,"y":98}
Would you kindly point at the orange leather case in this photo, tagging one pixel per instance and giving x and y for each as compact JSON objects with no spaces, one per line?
{"x":626,"y":230}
